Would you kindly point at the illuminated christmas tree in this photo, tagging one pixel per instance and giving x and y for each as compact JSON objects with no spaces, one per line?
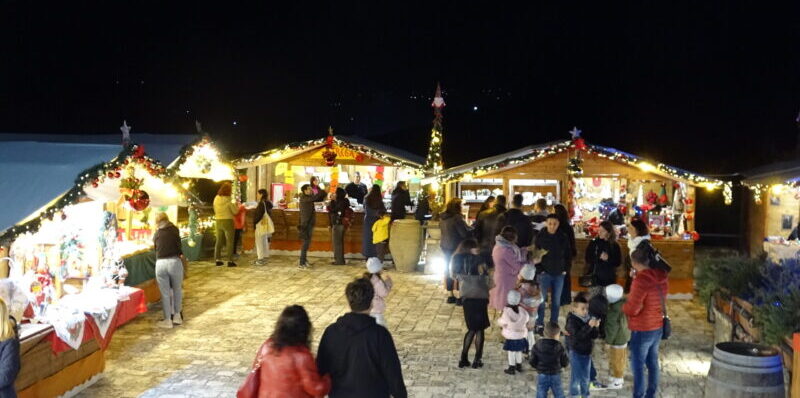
{"x":434,"y":164}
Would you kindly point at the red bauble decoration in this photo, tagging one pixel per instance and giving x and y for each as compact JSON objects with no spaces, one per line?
{"x":110,"y":174}
{"x":117,"y":175}
{"x":139,"y":200}
{"x":580,"y":144}
{"x":243,"y":178}
{"x":695,"y":236}
{"x":359,"y":158}
{"x":94,"y":184}
{"x":139,"y":151}
{"x":330,"y":157}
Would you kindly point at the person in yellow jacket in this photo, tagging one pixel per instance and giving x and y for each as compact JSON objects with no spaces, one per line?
{"x":380,"y":233}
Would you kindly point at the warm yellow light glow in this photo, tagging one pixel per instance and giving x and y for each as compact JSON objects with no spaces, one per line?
{"x":205,"y":163}
{"x":435,"y":185}
{"x":185,"y":185}
{"x":710,"y":186}
{"x":777,"y":189}
{"x":646,"y":167}
{"x":468,"y":177}
{"x":275,"y":155}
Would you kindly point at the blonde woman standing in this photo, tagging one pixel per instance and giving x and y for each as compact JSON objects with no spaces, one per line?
{"x":9,"y":353}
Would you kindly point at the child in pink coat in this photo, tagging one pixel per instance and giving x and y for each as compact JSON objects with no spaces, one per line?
{"x":514,"y":322}
{"x":381,"y":286}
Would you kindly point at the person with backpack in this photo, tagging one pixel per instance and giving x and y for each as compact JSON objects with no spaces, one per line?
{"x":337,"y":214}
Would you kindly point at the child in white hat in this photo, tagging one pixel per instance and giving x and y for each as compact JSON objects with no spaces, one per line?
{"x":514,"y":322}
{"x":531,"y":299}
{"x":381,"y":286}
{"x":617,"y":335}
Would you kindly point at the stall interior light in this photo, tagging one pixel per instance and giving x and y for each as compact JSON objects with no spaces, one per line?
{"x":777,"y":189}
{"x":710,"y":186}
{"x":437,"y":265}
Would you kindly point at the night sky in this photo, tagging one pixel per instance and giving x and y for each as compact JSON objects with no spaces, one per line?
{"x":711,"y":86}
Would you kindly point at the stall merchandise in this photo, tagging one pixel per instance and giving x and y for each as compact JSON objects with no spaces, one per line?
{"x":773,"y":212}
{"x":595,"y":183}
{"x":334,"y":160}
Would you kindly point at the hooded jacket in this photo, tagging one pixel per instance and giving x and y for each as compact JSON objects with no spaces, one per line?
{"x":307,"y":208}
{"x":616,"y":325}
{"x":514,"y":324}
{"x":454,"y":230}
{"x":549,"y":356}
{"x":522,"y":223}
{"x":643,"y":306}
{"x":361,"y":358}
{"x":290,"y":372}
{"x":580,"y":335}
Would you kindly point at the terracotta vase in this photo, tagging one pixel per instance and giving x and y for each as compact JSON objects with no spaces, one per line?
{"x":405,"y":244}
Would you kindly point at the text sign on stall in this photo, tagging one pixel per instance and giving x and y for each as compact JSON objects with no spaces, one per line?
{"x":341,"y":153}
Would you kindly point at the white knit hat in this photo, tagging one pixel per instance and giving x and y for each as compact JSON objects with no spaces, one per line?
{"x":613,"y":293}
{"x":528,"y":272}
{"x":513,"y":297}
{"x":374,"y":265}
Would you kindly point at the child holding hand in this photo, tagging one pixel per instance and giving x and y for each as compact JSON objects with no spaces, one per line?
{"x":531,"y":299}
{"x":514,"y":322}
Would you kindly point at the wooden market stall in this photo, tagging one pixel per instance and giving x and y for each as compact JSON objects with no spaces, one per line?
{"x":773,"y":210}
{"x":593,"y":182}
{"x":66,"y":257}
{"x":334,"y":161}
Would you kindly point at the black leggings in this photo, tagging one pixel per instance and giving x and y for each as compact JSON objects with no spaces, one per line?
{"x":477,"y":336}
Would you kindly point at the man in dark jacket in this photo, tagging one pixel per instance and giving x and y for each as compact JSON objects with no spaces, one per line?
{"x":488,"y":226}
{"x":548,"y":358}
{"x":553,"y":267}
{"x":307,"y":219}
{"x":400,"y":199}
{"x":517,"y":219}
{"x":356,"y":189}
{"x":359,"y":354}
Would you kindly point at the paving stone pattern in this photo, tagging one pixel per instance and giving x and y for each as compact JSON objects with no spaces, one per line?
{"x":230,"y":311}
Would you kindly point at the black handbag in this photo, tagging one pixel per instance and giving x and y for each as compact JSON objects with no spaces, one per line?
{"x":666,"y":328}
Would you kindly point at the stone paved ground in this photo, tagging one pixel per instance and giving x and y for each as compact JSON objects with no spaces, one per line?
{"x":230,"y":311}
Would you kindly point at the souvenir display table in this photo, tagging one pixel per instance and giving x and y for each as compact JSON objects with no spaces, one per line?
{"x":51,"y":366}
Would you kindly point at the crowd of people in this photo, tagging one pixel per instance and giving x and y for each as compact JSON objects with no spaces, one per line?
{"x":530,"y":258}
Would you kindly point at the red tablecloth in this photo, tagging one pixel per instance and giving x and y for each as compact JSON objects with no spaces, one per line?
{"x":126,"y":311}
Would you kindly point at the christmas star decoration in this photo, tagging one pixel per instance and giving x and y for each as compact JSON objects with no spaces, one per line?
{"x":575,"y":133}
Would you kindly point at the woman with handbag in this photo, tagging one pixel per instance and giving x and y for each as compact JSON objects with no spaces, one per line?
{"x":284,"y":365}
{"x":469,"y":269}
{"x":647,"y":319}
{"x":263,"y":227}
{"x":603,"y":257}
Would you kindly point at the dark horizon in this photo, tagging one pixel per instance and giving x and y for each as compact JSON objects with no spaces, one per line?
{"x":706,"y":87}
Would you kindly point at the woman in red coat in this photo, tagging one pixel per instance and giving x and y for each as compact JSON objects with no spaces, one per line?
{"x":288,"y":368}
{"x":645,"y":318}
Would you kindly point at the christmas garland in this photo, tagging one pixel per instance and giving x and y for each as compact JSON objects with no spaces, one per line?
{"x":130,"y":154}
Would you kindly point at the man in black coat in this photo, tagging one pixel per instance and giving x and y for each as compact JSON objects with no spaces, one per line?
{"x":359,"y":354}
{"x":356,"y":189}
{"x":307,"y":219}
{"x":488,"y":226}
{"x":517,"y":219}
{"x":400,"y":199}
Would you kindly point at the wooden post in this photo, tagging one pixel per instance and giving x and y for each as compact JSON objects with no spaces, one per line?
{"x":795,"y":383}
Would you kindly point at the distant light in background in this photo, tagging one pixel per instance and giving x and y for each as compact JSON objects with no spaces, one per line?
{"x":475,"y":108}
{"x":235,"y":123}
{"x":437,"y":265}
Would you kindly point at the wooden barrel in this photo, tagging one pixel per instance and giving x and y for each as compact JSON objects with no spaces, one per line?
{"x":405,"y":244}
{"x":740,"y":370}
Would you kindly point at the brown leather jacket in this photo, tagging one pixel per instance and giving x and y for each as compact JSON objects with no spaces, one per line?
{"x":290,"y":372}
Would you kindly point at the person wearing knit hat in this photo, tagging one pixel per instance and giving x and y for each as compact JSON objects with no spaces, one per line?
{"x":382,"y":288}
{"x":531,"y":299}
{"x":514,"y":322}
{"x":617,"y":335}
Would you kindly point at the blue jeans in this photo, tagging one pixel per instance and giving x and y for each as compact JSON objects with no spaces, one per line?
{"x":553,"y":284}
{"x":579,"y":374}
{"x":547,"y":382}
{"x":643,"y":349}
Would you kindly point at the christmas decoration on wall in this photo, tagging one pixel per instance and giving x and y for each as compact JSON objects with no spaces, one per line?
{"x":575,"y":161}
{"x":379,"y":176}
{"x":93,"y":176}
{"x":434,"y":163}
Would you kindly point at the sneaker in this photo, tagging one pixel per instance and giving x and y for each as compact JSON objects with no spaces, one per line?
{"x":458,"y":302}
{"x":177,"y":319}
{"x":463,"y":363}
{"x":477,"y":364}
{"x":219,"y":263}
{"x":164,"y":323}
{"x":596,"y":385}
{"x":511,"y":370}
{"x":518,"y":367}
{"x":231,"y":264}
{"x":451,"y":300}
{"x":616,"y":384}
